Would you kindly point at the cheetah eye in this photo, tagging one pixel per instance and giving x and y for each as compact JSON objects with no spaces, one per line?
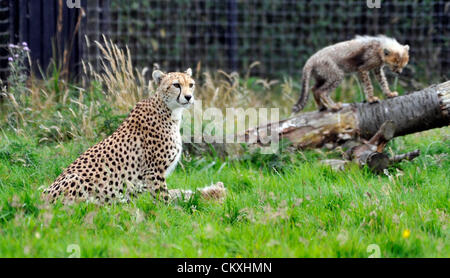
{"x":191,"y":85}
{"x":177,"y":85}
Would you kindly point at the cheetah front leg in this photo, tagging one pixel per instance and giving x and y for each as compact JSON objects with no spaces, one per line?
{"x":367,"y":86}
{"x":155,"y":182}
{"x":379,"y":75}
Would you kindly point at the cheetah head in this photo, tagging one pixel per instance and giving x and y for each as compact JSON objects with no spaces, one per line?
{"x":175,"y":88}
{"x":396,"y":57}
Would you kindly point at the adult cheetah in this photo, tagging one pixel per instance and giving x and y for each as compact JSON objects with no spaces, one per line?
{"x":139,"y":155}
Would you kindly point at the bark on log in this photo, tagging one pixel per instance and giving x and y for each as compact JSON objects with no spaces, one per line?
{"x":415,"y":112}
{"x":406,"y":156}
{"x":370,"y":152}
{"x":377,"y":162}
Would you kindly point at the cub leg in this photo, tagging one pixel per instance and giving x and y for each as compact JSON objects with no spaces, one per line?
{"x":316,"y":94}
{"x":332,"y":76}
{"x":367,"y":85}
{"x":379,"y":75}
{"x":324,"y":94}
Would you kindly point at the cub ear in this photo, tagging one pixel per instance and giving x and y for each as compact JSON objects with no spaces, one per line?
{"x":407,"y":47}
{"x":188,"y":72}
{"x":158,"y":76}
{"x":386,"y":52}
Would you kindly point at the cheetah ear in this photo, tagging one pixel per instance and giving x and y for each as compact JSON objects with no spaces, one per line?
{"x":189,"y":72}
{"x":407,"y":47}
{"x":158,"y":76}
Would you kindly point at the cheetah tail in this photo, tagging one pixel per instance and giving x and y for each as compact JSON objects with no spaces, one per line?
{"x":304,"y":94}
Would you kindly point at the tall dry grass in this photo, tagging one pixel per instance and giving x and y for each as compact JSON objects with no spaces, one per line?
{"x":125,"y":85}
{"x":61,"y":111}
{"x":122,"y":84}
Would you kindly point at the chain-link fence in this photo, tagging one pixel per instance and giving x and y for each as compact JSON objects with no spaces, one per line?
{"x":231,"y":34}
{"x":280,"y":34}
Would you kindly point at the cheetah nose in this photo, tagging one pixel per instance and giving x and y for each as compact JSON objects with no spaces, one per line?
{"x":188,"y":97}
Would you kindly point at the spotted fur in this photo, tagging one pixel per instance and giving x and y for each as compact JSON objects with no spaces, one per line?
{"x":361,"y":55}
{"x":139,"y":155}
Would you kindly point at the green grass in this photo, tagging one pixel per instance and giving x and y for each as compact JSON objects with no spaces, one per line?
{"x":279,"y":205}
{"x":301,"y":209}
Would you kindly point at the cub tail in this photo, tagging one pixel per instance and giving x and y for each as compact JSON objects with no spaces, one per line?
{"x":304,"y":95}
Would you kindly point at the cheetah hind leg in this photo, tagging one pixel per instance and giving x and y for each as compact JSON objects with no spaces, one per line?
{"x":326,"y":86}
{"x":216,"y":191}
{"x":328,"y":102}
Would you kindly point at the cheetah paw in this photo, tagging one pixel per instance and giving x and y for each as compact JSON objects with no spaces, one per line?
{"x":392,"y":94}
{"x":336,"y":107}
{"x":373,"y":100}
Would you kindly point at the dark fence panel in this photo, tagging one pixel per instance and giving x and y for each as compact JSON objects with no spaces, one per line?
{"x":225,"y":34}
{"x":5,"y":31}
{"x":47,"y":26}
{"x":281,"y":34}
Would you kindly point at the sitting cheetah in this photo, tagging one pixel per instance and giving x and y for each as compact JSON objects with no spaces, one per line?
{"x":139,"y":155}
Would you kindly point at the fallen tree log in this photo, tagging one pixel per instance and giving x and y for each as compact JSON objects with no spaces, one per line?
{"x":356,"y":127}
{"x":370,"y":153}
{"x":376,"y":161}
{"x":414,"y":112}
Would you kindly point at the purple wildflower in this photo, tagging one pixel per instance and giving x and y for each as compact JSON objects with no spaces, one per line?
{"x":12,"y":45}
{"x":24,"y":44}
{"x":26,"y":49}
{"x":10,"y":59}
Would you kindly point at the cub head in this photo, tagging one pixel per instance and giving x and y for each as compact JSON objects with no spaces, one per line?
{"x":396,"y":57}
{"x":175,"y":88}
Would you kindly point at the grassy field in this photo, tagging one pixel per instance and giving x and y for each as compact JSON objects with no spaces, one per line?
{"x":281,"y":205}
{"x":277,"y":206}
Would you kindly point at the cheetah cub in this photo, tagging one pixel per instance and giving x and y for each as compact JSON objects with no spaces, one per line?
{"x":139,"y":155}
{"x":361,"y":55}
